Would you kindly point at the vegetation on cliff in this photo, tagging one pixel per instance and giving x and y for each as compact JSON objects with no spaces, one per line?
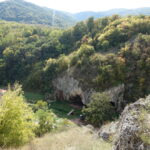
{"x":103,"y":52}
{"x":99,"y":54}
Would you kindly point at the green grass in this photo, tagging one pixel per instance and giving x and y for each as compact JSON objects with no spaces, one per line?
{"x":33,"y":97}
{"x":76,"y":138}
{"x":60,"y":108}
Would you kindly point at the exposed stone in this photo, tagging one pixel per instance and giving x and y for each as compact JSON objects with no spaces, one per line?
{"x":116,"y":97}
{"x":87,"y":95}
{"x":67,"y":87}
{"x":108,"y":130}
{"x":129,"y":128}
{"x":105,"y":136}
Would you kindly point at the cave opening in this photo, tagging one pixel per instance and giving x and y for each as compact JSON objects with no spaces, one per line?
{"x":76,"y":100}
{"x":112,"y":104}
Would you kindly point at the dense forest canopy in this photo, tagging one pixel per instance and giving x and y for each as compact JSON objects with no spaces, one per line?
{"x":101,"y":53}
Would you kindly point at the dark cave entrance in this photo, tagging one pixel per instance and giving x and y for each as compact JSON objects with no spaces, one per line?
{"x":76,"y":100}
{"x":112,"y":104}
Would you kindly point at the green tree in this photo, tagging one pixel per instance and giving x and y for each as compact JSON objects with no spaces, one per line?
{"x":90,"y":24}
{"x":80,"y":29}
{"x":99,"y":109}
{"x":46,"y":121}
{"x":16,"y":119}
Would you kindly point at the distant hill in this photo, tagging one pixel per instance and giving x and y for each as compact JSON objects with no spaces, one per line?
{"x":25,"y":12}
{"x":123,"y":12}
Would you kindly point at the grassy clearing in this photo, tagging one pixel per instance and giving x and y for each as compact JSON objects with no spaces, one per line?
{"x":78,"y":138}
{"x":60,"y":108}
{"x":33,"y":97}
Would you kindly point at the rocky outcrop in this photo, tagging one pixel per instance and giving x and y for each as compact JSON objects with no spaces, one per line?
{"x":130,"y":127}
{"x":108,"y":131}
{"x":116,"y":95}
{"x":67,"y":87}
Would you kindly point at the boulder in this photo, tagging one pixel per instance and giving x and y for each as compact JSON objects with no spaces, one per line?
{"x":134,"y":122}
{"x":108,"y":130}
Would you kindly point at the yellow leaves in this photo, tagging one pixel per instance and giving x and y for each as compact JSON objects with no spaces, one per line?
{"x":8,"y":52}
{"x":63,"y":62}
{"x":121,"y":60}
{"x":16,"y":119}
{"x":50,"y":62}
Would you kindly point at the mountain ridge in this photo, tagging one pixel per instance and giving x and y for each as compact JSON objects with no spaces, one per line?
{"x":25,"y":12}
{"x":120,"y":11}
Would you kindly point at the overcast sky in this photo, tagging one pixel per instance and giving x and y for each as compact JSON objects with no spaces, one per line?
{"x":90,"y":5}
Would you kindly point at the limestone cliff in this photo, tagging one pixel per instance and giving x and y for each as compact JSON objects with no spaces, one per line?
{"x":133,"y":131}
{"x":67,"y":87}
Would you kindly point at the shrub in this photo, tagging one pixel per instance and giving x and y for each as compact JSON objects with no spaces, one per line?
{"x":40,"y":105}
{"x":46,"y":121}
{"x":143,"y":120}
{"x":99,"y":109}
{"x":16,"y":119}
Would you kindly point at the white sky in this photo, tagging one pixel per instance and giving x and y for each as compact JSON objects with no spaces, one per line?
{"x":90,"y":5}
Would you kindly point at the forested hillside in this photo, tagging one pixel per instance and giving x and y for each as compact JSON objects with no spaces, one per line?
{"x":25,"y":12}
{"x":92,"y":70}
{"x":101,"y":53}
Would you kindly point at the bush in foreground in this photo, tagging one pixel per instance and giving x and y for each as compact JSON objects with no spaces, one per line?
{"x":16,"y":119}
{"x":46,"y":120}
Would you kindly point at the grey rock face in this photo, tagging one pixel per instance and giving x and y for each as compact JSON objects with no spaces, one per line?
{"x":129,"y":128}
{"x":116,"y":97}
{"x":67,"y":86}
{"x":108,"y":130}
